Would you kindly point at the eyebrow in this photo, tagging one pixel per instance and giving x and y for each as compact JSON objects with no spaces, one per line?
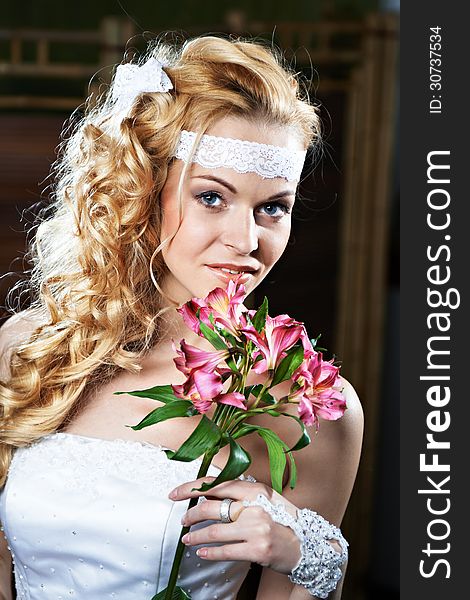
{"x":233,"y":190}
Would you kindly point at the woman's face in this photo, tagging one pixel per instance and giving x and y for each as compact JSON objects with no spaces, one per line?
{"x":231,"y":221}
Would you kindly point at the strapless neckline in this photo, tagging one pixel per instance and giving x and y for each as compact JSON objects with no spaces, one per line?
{"x":116,"y":442}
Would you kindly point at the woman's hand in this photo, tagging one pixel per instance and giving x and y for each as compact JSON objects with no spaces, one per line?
{"x":252,"y":536}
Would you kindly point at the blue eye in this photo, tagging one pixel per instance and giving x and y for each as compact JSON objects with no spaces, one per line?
{"x":276,"y":209}
{"x":209,"y":199}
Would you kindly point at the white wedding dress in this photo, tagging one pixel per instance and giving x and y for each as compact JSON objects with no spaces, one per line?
{"x":90,"y":519}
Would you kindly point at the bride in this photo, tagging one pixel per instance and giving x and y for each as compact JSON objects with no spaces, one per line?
{"x":183,"y":178}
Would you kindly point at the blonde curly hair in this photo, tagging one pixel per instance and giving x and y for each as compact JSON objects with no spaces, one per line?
{"x":97,"y":308}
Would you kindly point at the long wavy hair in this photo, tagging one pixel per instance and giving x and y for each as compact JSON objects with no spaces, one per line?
{"x":96,"y":305}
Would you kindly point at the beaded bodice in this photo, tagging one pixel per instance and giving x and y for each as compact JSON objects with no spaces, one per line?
{"x":90,"y":519}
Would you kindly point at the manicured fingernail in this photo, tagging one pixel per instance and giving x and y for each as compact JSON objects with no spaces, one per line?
{"x":172,"y":494}
{"x":185,"y":538}
{"x":183,"y":520}
{"x":202,"y":552}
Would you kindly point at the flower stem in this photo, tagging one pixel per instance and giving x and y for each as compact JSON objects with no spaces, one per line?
{"x":180,"y":548}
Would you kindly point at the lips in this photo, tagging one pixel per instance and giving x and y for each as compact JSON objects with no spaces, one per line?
{"x":228,"y":272}
{"x":233,"y":269}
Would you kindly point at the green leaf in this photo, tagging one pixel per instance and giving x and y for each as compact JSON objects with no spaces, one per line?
{"x":213,"y":337}
{"x":238,"y":462}
{"x":304,"y":439}
{"x":244,"y":429}
{"x":259,"y":320}
{"x":293,"y":471}
{"x":288,"y":365}
{"x":275,"y":447}
{"x":162,"y":393}
{"x":178,"y":594}
{"x":267,"y":397}
{"x":277,"y":457}
{"x":232,"y":364}
{"x":276,"y":451}
{"x":248,"y":390}
{"x":178,"y":408}
{"x":227,"y":335}
{"x":206,"y":436}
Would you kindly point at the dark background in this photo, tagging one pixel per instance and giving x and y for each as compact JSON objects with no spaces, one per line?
{"x":340,"y":271}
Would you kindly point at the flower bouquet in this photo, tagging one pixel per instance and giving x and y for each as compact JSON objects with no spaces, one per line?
{"x":244,"y":341}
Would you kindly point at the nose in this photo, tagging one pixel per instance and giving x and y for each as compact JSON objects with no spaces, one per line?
{"x":241,"y":233}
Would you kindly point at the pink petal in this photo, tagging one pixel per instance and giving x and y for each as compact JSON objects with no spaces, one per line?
{"x":233,"y":399}
{"x":306,"y":343}
{"x":282,"y":339}
{"x":327,"y":376}
{"x":201,"y":405}
{"x":208,"y":385}
{"x":227,"y":323}
{"x":303,"y":373}
{"x":330,"y":405}
{"x":261,"y":366}
{"x":196,"y":358}
{"x":258,"y":339}
{"x":306,"y":412}
{"x":236,"y":291}
{"x":218,"y":301}
{"x":283,"y":320}
{"x":179,"y":391}
{"x":188,"y":312}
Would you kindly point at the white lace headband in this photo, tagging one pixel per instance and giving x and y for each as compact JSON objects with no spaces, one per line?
{"x":243,"y":156}
{"x":264,"y":159}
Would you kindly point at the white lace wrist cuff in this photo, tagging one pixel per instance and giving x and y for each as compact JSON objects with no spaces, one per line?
{"x":319,"y":567}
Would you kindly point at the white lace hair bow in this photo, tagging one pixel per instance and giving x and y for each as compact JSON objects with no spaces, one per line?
{"x":132,"y":80}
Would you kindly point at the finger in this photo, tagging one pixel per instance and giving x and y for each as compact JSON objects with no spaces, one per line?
{"x":237,"y":489}
{"x":186,"y":490}
{"x":216,"y":533}
{"x":239,"y":551}
{"x":210,"y":511}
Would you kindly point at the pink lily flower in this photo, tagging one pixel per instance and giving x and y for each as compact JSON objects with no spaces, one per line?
{"x":329,"y":405}
{"x":279,"y":334}
{"x":317,"y":388}
{"x":190,"y":357}
{"x":189,"y":312}
{"x":205,"y":389}
{"x":201,"y":388}
{"x":225,"y":305}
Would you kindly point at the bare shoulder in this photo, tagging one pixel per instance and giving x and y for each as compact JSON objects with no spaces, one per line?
{"x":353,"y":418}
{"x":16,"y":330}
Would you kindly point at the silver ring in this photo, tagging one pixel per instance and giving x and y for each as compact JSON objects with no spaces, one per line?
{"x":225,"y":510}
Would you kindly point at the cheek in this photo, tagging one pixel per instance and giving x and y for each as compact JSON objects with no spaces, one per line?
{"x":170,"y":218}
{"x":194,"y":235}
{"x":273,"y":244}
